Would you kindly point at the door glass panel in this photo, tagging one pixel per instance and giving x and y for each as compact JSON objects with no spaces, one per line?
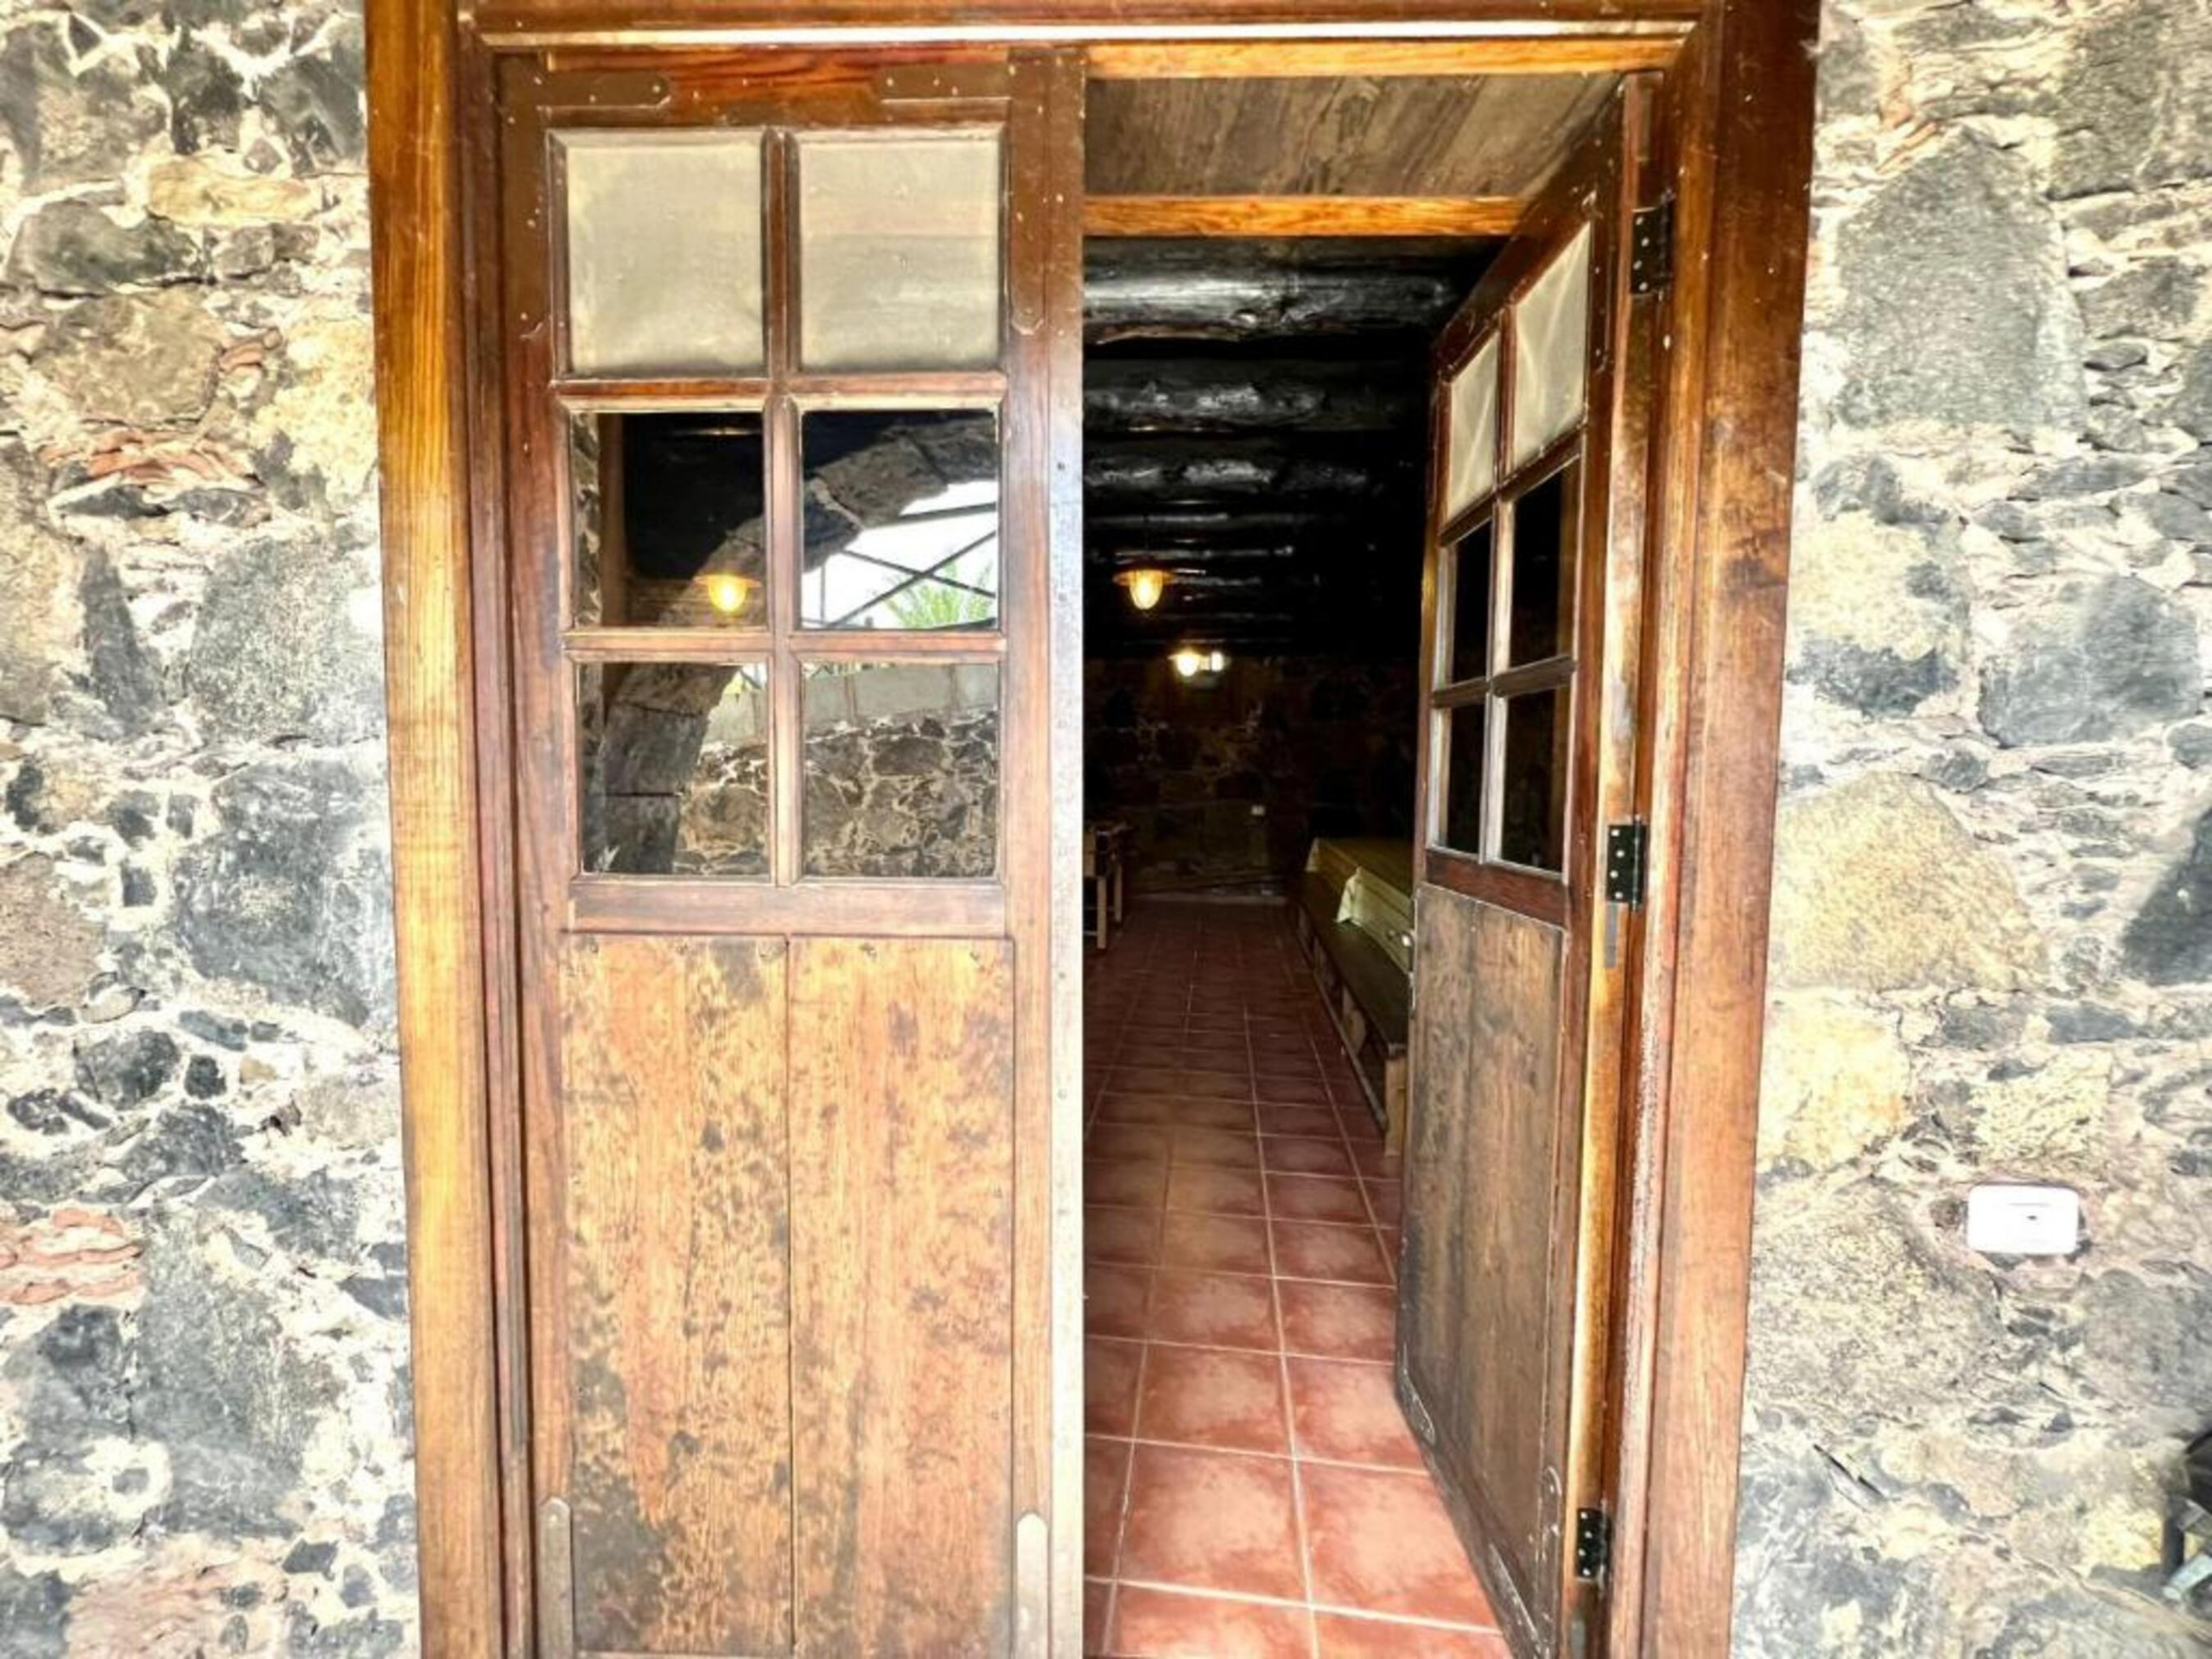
{"x":1461,"y":827}
{"x":1543,"y":570}
{"x":901,"y":774}
{"x":669,"y":520}
{"x":1532,"y":798}
{"x":1470,"y":659}
{"x":1551,"y":334}
{"x":902,"y":520}
{"x":664,"y":252}
{"x":898,"y":250}
{"x":674,"y":764}
{"x":1471,"y":432}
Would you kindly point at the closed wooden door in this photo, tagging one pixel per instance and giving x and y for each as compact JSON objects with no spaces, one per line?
{"x":1531,"y":640}
{"x":780,"y":339}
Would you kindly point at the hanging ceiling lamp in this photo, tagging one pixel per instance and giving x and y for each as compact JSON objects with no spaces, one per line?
{"x":1146,"y":584}
{"x":1190,"y":662}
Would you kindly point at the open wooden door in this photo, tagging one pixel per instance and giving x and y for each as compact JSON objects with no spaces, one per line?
{"x":1530,"y":640}
{"x":786,"y":359}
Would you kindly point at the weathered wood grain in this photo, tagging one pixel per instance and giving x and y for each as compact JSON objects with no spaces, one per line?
{"x":1480,"y":1336}
{"x":1465,"y":135}
{"x":422,"y":447}
{"x":672,"y":1067}
{"x":1295,"y":215}
{"x":902,"y":1294}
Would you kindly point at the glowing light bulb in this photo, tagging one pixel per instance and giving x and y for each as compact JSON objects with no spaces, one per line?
{"x":1190,"y":662}
{"x":1144,"y":586}
{"x":728,"y":593}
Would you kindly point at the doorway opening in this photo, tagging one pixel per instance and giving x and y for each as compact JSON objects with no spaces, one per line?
{"x":1284,"y":298}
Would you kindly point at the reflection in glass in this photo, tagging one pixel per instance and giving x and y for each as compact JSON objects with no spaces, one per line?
{"x":663,"y":246}
{"x":902,"y":520}
{"x":901,"y":773}
{"x":1471,"y":606}
{"x":1543,"y":623}
{"x":898,"y":250}
{"x":1471,"y":432}
{"x":1532,"y":799}
{"x":675,"y":763}
{"x":670,"y":531}
{"x":1462,"y":828}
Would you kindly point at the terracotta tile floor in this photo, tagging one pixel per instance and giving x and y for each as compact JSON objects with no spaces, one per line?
{"x":1252,"y":1489}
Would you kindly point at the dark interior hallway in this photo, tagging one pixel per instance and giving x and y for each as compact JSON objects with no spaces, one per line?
{"x":1252,"y":1488}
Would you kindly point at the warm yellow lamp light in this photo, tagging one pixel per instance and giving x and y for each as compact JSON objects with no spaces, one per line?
{"x":1146,"y":585}
{"x":1190,"y":662}
{"x":729,"y":593}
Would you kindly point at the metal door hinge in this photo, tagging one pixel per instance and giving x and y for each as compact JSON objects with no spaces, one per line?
{"x":1628,"y":856}
{"x":1651,"y":247}
{"x":1593,"y":1543}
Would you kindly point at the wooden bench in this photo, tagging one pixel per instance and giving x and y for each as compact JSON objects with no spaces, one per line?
{"x":1105,"y":847}
{"x":1368,"y":996}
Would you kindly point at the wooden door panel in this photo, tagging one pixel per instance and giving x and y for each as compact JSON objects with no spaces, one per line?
{"x":902,"y":1203}
{"x":672,"y":1062}
{"x":1481,"y":1171}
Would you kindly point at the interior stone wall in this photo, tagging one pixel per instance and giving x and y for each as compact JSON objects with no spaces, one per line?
{"x":204,"y":1398}
{"x":1226,"y":784}
{"x":1991,"y":943}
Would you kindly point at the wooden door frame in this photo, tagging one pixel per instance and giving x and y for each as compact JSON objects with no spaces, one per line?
{"x":1736,"y":100}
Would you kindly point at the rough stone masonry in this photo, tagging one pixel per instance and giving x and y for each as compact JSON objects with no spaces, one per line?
{"x":1995,"y":858}
{"x":204,"y":1400}
{"x":1992,"y":944}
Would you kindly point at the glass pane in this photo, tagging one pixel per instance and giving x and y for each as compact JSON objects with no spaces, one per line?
{"x":669,"y":520}
{"x":1532,"y":807}
{"x":1461,"y":829}
{"x":902,"y":769}
{"x":1470,"y":659}
{"x":1471,"y":470}
{"x":675,"y":759}
{"x":902,"y":520}
{"x":1542,"y":575}
{"x":664,"y":244}
{"x":1551,"y":337}
{"x":898,"y":250}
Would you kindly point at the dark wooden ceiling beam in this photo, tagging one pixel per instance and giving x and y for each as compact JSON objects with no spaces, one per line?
{"x":1302,"y":215}
{"x":1150,"y":471}
{"x":1182,"y":288}
{"x":1122,"y":395}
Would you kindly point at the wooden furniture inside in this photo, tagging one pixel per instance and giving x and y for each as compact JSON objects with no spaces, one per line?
{"x":1352,"y":912}
{"x":1105,"y":873}
{"x":731,"y":1436}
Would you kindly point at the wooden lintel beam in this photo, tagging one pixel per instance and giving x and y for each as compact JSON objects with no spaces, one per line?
{"x":1557,"y":53}
{"x":1295,"y":216}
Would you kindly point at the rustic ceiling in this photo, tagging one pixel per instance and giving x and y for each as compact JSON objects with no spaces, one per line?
{"x":1460,"y":136}
{"x":1256,"y":421}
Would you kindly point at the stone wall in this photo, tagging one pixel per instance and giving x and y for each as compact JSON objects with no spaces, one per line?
{"x":203,"y":1345}
{"x":1991,"y":945}
{"x":1226,"y":784}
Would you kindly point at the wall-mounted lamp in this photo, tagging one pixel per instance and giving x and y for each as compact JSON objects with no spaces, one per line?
{"x":729,"y":593}
{"x":1190,"y":662}
{"x":1146,"y":584}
